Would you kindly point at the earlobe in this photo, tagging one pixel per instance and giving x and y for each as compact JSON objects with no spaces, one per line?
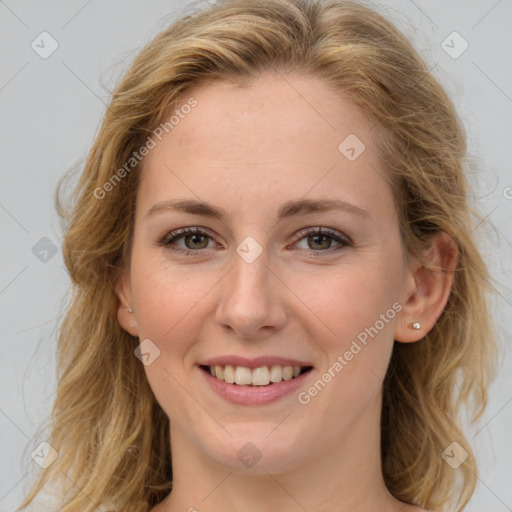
{"x":125,"y":312}
{"x":430,"y":285}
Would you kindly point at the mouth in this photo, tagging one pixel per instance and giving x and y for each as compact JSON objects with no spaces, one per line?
{"x":266,"y":375}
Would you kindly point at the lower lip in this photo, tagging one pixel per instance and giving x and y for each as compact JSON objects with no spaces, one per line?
{"x":254,"y":395}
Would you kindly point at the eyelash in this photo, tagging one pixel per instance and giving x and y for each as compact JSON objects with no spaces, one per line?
{"x":171,"y":237}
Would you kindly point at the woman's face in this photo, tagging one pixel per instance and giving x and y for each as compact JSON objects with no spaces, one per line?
{"x":261,"y":287}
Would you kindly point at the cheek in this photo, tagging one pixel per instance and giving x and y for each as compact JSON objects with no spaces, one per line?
{"x":168,"y":297}
{"x":353,"y":327}
{"x":170,"y":304}
{"x":347,"y":300}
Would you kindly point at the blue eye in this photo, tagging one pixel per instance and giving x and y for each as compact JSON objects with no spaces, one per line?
{"x":319,"y":241}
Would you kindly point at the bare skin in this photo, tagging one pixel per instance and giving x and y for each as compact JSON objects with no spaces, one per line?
{"x":249,"y":151}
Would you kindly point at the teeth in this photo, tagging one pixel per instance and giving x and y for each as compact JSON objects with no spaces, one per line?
{"x":229,"y":374}
{"x":276,"y":373}
{"x":242,"y":375}
{"x":287,"y":372}
{"x":261,"y":376}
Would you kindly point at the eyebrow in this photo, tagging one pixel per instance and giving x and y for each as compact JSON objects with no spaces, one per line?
{"x":289,"y":209}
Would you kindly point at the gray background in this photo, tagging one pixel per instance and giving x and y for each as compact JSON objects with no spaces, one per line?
{"x":51,"y":109}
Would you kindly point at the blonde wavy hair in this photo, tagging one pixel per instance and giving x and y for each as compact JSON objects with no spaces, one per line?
{"x":111,"y":434}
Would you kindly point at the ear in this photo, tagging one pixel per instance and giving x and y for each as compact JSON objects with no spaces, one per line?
{"x":125,"y":311}
{"x":428,"y":289}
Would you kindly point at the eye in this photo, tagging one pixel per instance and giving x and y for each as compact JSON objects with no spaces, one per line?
{"x":319,"y":240}
{"x":194,"y":239}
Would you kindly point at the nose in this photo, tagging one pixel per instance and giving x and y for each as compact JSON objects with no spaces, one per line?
{"x":252,"y":302}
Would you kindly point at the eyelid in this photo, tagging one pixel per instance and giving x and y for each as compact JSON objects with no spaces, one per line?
{"x":320,"y":230}
{"x":182,"y":232}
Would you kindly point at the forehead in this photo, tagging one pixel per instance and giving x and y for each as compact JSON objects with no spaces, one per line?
{"x":276,"y":135}
{"x":271,"y":109}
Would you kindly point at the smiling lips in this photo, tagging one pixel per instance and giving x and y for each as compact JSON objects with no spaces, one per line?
{"x":260,"y":376}
{"x":254,"y":372}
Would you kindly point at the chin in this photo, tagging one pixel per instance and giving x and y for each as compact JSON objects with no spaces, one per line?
{"x":253,"y":451}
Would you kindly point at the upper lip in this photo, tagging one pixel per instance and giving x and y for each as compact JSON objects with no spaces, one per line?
{"x":254,"y":362}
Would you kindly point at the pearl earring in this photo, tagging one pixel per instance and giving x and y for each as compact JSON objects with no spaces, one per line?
{"x":415,"y":325}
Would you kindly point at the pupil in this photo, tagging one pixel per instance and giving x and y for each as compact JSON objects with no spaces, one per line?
{"x":325,"y":238}
{"x":194,"y":239}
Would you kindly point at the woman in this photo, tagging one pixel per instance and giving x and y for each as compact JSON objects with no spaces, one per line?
{"x":278,"y":302}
